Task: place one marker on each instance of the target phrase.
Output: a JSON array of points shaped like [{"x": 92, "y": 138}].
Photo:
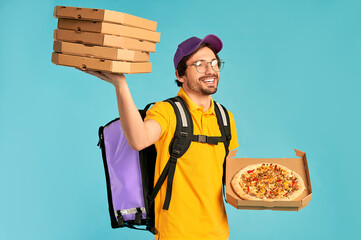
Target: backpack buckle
[
  {"x": 175, "y": 153},
  {"x": 202, "y": 139},
  {"x": 120, "y": 219},
  {"x": 138, "y": 217},
  {"x": 180, "y": 134}
]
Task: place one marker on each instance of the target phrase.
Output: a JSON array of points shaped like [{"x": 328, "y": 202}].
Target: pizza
[{"x": 267, "y": 182}]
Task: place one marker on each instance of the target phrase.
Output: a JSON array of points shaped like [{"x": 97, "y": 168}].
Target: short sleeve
[
  {"x": 160, "y": 112},
  {"x": 234, "y": 140}
]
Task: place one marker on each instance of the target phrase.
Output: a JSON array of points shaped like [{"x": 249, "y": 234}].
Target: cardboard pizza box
[
  {"x": 299, "y": 165},
  {"x": 108, "y": 28},
  {"x": 101, "y": 39},
  {"x": 101, "y": 64},
  {"x": 100, "y": 52},
  {"x": 105, "y": 16}
]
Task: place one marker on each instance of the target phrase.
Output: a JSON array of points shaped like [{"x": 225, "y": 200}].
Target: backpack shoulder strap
[
  {"x": 180, "y": 142},
  {"x": 178, "y": 146},
  {"x": 225, "y": 128},
  {"x": 224, "y": 123},
  {"x": 184, "y": 120}
]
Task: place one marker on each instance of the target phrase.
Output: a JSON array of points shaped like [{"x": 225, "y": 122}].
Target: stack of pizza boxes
[{"x": 103, "y": 40}]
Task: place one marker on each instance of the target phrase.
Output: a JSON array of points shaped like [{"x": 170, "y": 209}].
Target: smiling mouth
[{"x": 209, "y": 80}]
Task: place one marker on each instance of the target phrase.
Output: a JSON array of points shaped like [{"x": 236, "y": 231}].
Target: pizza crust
[{"x": 242, "y": 194}]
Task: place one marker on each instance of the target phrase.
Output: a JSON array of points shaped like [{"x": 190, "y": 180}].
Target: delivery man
[{"x": 197, "y": 210}]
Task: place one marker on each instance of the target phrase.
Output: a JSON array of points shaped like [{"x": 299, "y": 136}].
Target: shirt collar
[{"x": 192, "y": 106}]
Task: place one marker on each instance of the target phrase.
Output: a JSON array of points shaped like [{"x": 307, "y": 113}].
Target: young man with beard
[{"x": 196, "y": 210}]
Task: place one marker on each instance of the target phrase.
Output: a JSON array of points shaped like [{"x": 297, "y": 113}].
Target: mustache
[{"x": 215, "y": 76}]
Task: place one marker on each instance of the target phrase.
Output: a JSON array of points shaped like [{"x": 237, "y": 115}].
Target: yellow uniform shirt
[{"x": 196, "y": 209}]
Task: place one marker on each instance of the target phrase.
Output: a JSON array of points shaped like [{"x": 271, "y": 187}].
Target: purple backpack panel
[{"x": 124, "y": 180}]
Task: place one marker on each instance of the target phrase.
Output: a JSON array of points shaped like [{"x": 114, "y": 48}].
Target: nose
[{"x": 209, "y": 68}]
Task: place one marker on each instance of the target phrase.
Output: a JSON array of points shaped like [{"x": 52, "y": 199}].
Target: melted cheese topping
[{"x": 269, "y": 182}]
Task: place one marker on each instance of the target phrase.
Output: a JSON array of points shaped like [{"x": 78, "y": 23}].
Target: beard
[
  {"x": 200, "y": 87},
  {"x": 209, "y": 91}
]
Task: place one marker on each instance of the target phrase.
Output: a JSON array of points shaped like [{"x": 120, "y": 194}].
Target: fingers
[
  {"x": 114, "y": 76},
  {"x": 96, "y": 74}
]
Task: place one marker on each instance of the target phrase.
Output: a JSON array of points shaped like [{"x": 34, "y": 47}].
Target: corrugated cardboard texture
[
  {"x": 100, "y": 52},
  {"x": 100, "y": 39},
  {"x": 100, "y": 65},
  {"x": 299, "y": 165},
  {"x": 104, "y": 15},
  {"x": 108, "y": 28}
]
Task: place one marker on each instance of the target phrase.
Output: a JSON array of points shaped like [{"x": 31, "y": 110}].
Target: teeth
[{"x": 209, "y": 80}]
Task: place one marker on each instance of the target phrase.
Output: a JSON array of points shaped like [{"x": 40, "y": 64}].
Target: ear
[{"x": 178, "y": 77}]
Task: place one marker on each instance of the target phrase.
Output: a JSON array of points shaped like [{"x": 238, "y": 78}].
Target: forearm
[
  {"x": 140, "y": 134},
  {"x": 132, "y": 123}
]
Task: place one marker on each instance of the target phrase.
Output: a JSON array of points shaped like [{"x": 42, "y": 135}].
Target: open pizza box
[
  {"x": 88, "y": 63},
  {"x": 299, "y": 165},
  {"x": 104, "y": 16}
]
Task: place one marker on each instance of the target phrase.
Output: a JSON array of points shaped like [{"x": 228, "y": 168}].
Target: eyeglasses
[{"x": 202, "y": 65}]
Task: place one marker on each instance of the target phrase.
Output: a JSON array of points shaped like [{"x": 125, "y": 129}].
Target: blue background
[{"x": 292, "y": 80}]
